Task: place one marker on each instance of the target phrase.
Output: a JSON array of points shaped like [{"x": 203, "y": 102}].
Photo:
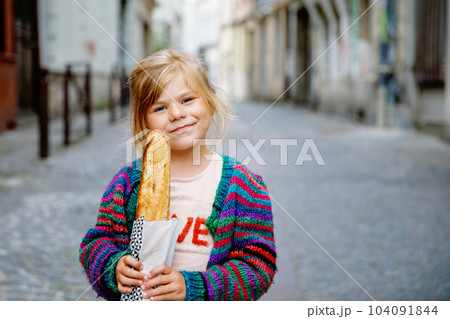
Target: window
[{"x": 430, "y": 42}]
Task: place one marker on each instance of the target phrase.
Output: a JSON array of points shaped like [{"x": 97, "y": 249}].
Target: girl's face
[{"x": 181, "y": 114}]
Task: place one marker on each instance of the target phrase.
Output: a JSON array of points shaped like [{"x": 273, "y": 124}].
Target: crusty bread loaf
[{"x": 154, "y": 187}]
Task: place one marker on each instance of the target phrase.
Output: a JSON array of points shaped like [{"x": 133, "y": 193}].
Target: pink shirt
[{"x": 191, "y": 200}]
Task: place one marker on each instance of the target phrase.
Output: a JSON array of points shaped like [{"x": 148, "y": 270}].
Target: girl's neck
[{"x": 186, "y": 163}]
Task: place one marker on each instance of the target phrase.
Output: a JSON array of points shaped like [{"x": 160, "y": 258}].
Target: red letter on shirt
[
  {"x": 185, "y": 230},
  {"x": 197, "y": 231}
]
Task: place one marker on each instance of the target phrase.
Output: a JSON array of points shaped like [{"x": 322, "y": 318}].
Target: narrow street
[
  {"x": 371, "y": 223},
  {"x": 380, "y": 207}
]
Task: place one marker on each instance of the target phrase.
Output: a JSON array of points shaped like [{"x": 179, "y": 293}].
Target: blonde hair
[{"x": 150, "y": 76}]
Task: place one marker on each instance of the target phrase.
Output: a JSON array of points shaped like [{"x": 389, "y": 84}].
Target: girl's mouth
[{"x": 181, "y": 128}]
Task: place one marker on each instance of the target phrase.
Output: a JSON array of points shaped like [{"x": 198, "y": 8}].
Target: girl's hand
[
  {"x": 172, "y": 285},
  {"x": 127, "y": 275}
]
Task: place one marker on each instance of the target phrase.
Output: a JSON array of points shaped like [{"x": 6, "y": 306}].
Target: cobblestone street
[{"x": 380, "y": 207}]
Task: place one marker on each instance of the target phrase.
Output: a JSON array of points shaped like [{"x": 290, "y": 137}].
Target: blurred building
[
  {"x": 109, "y": 35},
  {"x": 192, "y": 26},
  {"x": 168, "y": 22},
  {"x": 379, "y": 62}
]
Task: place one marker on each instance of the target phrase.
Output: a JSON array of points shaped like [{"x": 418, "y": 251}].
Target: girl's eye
[
  {"x": 159, "y": 108},
  {"x": 187, "y": 100}
]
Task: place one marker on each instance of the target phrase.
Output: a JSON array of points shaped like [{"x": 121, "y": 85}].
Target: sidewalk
[{"x": 48, "y": 205}]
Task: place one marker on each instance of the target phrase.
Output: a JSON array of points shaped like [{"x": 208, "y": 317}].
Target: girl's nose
[{"x": 176, "y": 112}]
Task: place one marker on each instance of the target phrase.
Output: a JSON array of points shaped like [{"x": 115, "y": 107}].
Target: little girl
[{"x": 226, "y": 249}]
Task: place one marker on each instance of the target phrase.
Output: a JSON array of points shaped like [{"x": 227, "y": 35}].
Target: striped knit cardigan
[{"x": 242, "y": 263}]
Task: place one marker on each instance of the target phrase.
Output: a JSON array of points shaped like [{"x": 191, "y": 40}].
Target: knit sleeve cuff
[
  {"x": 110, "y": 271},
  {"x": 195, "y": 285}
]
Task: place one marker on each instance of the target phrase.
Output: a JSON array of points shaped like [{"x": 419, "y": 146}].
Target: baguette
[{"x": 154, "y": 187}]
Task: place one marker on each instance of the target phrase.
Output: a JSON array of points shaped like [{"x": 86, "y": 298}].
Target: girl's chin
[{"x": 178, "y": 147}]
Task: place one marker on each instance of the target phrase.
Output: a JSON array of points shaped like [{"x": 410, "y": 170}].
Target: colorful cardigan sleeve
[
  {"x": 108, "y": 240},
  {"x": 243, "y": 260}
]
